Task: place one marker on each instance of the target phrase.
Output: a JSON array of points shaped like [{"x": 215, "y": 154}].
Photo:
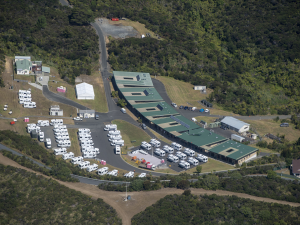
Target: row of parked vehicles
[
  {"x": 179, "y": 156},
  {"x": 115, "y": 137},
  {"x": 189, "y": 108},
  {"x": 86, "y": 142},
  {"x": 25, "y": 99}
]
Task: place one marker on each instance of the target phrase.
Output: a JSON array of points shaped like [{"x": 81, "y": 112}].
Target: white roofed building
[
  {"x": 235, "y": 124},
  {"x": 85, "y": 91}
]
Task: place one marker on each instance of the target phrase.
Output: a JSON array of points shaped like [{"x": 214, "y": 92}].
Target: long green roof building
[{"x": 143, "y": 99}]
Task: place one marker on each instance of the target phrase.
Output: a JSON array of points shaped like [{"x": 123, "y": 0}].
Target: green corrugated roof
[
  {"x": 146, "y": 105},
  {"x": 23, "y": 64},
  {"x": 46, "y": 69},
  {"x": 144, "y": 81},
  {"x": 243, "y": 150}
]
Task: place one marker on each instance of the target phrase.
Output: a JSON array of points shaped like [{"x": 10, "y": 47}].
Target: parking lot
[{"x": 48, "y": 131}]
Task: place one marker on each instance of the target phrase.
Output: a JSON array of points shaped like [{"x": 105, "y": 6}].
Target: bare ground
[{"x": 139, "y": 200}]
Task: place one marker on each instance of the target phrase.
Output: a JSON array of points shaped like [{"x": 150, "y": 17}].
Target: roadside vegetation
[
  {"x": 42, "y": 200},
  {"x": 213, "y": 209}
]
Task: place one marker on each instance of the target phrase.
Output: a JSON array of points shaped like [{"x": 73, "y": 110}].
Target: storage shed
[
  {"x": 56, "y": 111},
  {"x": 87, "y": 113},
  {"x": 85, "y": 91},
  {"x": 235, "y": 124},
  {"x": 200, "y": 88}
]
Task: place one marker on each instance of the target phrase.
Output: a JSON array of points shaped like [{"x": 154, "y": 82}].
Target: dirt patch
[{"x": 139, "y": 200}]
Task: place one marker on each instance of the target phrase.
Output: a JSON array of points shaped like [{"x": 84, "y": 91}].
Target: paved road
[{"x": 57, "y": 98}]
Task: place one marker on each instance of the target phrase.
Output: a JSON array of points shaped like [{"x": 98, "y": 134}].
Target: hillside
[
  {"x": 247, "y": 51},
  {"x": 38, "y": 200},
  {"x": 213, "y": 209}
]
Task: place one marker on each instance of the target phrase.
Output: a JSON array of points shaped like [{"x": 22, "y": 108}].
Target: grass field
[
  {"x": 183, "y": 93},
  {"x": 75, "y": 148},
  {"x": 270, "y": 126},
  {"x": 130, "y": 133},
  {"x": 212, "y": 165}
]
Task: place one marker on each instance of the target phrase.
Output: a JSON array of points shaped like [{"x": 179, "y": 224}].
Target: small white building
[
  {"x": 85, "y": 91},
  {"x": 200, "y": 88},
  {"x": 235, "y": 124},
  {"x": 56, "y": 111},
  {"x": 86, "y": 113}
]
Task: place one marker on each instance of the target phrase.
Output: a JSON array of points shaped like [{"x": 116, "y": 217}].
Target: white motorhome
[
  {"x": 117, "y": 142},
  {"x": 92, "y": 167},
  {"x": 84, "y": 131},
  {"x": 113, "y": 132},
  {"x": 64, "y": 144},
  {"x": 85, "y": 138},
  {"x": 60, "y": 151},
  {"x": 176, "y": 146},
  {"x": 184, "y": 164},
  {"x": 193, "y": 161},
  {"x": 83, "y": 164},
  {"x": 123, "y": 110},
  {"x": 24, "y": 92},
  {"x": 154, "y": 143},
  {"x": 129, "y": 174},
  {"x": 146, "y": 146},
  {"x": 62, "y": 138},
  {"x": 102, "y": 171},
  {"x": 113, "y": 173},
  {"x": 56, "y": 122},
  {"x": 110, "y": 127},
  {"x": 41, "y": 136},
  {"x": 173, "y": 158},
  {"x": 59, "y": 127},
  {"x": 114, "y": 138},
  {"x": 159, "y": 152},
  {"x": 43, "y": 123},
  {"x": 68, "y": 155},
  {"x": 117, "y": 150},
  {"x": 77, "y": 160},
  {"x": 24, "y": 100},
  {"x": 168, "y": 149},
  {"x": 181, "y": 155},
  {"x": 189, "y": 152},
  {"x": 28, "y": 95},
  {"x": 87, "y": 143},
  {"x": 202, "y": 158},
  {"x": 89, "y": 155},
  {"x": 30, "y": 105},
  {"x": 48, "y": 143}
]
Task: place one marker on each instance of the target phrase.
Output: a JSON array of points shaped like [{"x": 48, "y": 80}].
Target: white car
[
  {"x": 77, "y": 118},
  {"x": 142, "y": 175},
  {"x": 206, "y": 110},
  {"x": 174, "y": 104}
]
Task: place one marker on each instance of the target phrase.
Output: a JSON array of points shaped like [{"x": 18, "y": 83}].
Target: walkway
[{"x": 36, "y": 85}]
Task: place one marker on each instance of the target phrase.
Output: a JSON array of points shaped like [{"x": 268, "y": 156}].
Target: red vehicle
[{"x": 114, "y": 19}]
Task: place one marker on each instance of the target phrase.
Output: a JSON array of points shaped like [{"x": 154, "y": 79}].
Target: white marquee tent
[{"x": 85, "y": 91}]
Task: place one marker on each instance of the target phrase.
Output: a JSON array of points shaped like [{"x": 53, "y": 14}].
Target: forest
[
  {"x": 213, "y": 209},
  {"x": 246, "y": 51},
  {"x": 49, "y": 32},
  {"x": 26, "y": 198}
]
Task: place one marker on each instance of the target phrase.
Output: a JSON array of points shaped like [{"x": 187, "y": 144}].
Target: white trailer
[
  {"x": 83, "y": 164},
  {"x": 114, "y": 138},
  {"x": 102, "y": 171},
  {"x": 59, "y": 126},
  {"x": 64, "y": 144},
  {"x": 159, "y": 152},
  {"x": 84, "y": 131},
  {"x": 68, "y": 155},
  {"x": 77, "y": 160},
  {"x": 181, "y": 155},
  {"x": 146, "y": 146},
  {"x": 117, "y": 150},
  {"x": 85, "y": 138},
  {"x": 168, "y": 149},
  {"x": 113, "y": 173},
  {"x": 117, "y": 142},
  {"x": 202, "y": 158},
  {"x": 89, "y": 155},
  {"x": 87, "y": 143},
  {"x": 184, "y": 164},
  {"x": 113, "y": 132},
  {"x": 60, "y": 151},
  {"x": 173, "y": 158},
  {"x": 25, "y": 100},
  {"x": 154, "y": 143},
  {"x": 92, "y": 167},
  {"x": 41, "y": 136},
  {"x": 62, "y": 138},
  {"x": 48, "y": 143},
  {"x": 237, "y": 138},
  {"x": 176, "y": 146},
  {"x": 110, "y": 127},
  {"x": 56, "y": 122},
  {"x": 43, "y": 123},
  {"x": 29, "y": 105},
  {"x": 24, "y": 92},
  {"x": 193, "y": 161},
  {"x": 189, "y": 152}
]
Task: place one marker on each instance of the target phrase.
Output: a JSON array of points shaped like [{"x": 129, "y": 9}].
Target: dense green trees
[
  {"x": 81, "y": 15},
  {"x": 30, "y": 199},
  {"x": 213, "y": 209}
]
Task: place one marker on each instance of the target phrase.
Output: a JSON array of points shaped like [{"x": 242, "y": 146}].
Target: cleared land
[
  {"x": 132, "y": 135},
  {"x": 183, "y": 93},
  {"x": 212, "y": 165},
  {"x": 270, "y": 126},
  {"x": 75, "y": 148},
  {"x": 139, "y": 200}
]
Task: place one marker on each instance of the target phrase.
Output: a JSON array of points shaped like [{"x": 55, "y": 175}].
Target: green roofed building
[
  {"x": 23, "y": 67},
  {"x": 143, "y": 100}
]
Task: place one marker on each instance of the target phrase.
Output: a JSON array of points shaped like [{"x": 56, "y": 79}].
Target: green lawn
[
  {"x": 75, "y": 148},
  {"x": 212, "y": 165},
  {"x": 131, "y": 133}
]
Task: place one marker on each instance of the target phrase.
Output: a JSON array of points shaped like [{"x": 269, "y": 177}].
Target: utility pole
[{"x": 126, "y": 193}]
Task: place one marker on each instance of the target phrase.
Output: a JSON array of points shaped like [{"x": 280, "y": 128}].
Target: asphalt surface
[{"x": 58, "y": 98}]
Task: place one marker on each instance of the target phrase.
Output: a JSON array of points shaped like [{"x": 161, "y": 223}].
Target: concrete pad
[{"x": 149, "y": 158}]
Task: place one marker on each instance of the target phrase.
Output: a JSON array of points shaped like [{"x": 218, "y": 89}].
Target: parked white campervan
[
  {"x": 117, "y": 142},
  {"x": 110, "y": 127},
  {"x": 113, "y": 173},
  {"x": 193, "y": 161},
  {"x": 48, "y": 143},
  {"x": 92, "y": 167},
  {"x": 159, "y": 152},
  {"x": 89, "y": 155},
  {"x": 113, "y": 132},
  {"x": 202, "y": 158},
  {"x": 173, "y": 158},
  {"x": 68, "y": 155},
  {"x": 29, "y": 105},
  {"x": 184, "y": 164},
  {"x": 130, "y": 174},
  {"x": 84, "y": 164},
  {"x": 113, "y": 138},
  {"x": 154, "y": 143},
  {"x": 102, "y": 171},
  {"x": 146, "y": 146},
  {"x": 87, "y": 142},
  {"x": 60, "y": 151},
  {"x": 168, "y": 149},
  {"x": 56, "y": 122},
  {"x": 43, "y": 123},
  {"x": 176, "y": 146},
  {"x": 181, "y": 155},
  {"x": 41, "y": 136},
  {"x": 77, "y": 160},
  {"x": 189, "y": 152},
  {"x": 117, "y": 150},
  {"x": 23, "y": 100},
  {"x": 64, "y": 144},
  {"x": 123, "y": 110}
]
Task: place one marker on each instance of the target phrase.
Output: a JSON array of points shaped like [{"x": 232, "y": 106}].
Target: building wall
[
  {"x": 22, "y": 72},
  {"x": 240, "y": 161},
  {"x": 57, "y": 113}
]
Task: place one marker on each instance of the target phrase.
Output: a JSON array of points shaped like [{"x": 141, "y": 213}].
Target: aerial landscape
[{"x": 149, "y": 112}]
